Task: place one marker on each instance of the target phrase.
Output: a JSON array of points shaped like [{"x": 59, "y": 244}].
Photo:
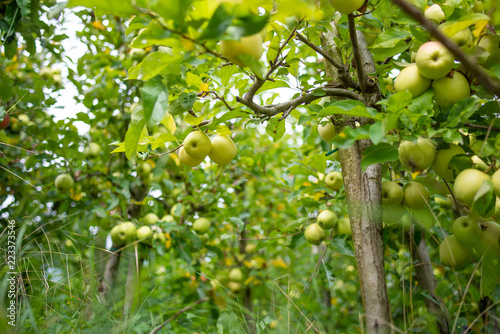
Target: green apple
[
  {"x": 344, "y": 226},
  {"x": 144, "y": 169},
  {"x": 467, "y": 183},
  {"x": 447, "y": 203},
  {"x": 496, "y": 182},
  {"x": 168, "y": 219},
  {"x": 347, "y": 7},
  {"x": 478, "y": 7},
  {"x": 45, "y": 73},
  {"x": 467, "y": 230},
  {"x": 178, "y": 210},
  {"x": 435, "y": 13},
  {"x": 491, "y": 44},
  {"x": 223, "y": 150},
  {"x": 336, "y": 154},
  {"x": 24, "y": 119},
  {"x": 489, "y": 243},
  {"x": 151, "y": 219},
  {"x": 92, "y": 150},
  {"x": 433, "y": 60},
  {"x": 334, "y": 180},
  {"x": 327, "y": 219},
  {"x": 449, "y": 90},
  {"x": 417, "y": 156},
  {"x": 327, "y": 131},
  {"x": 236, "y": 275},
  {"x": 410, "y": 79},
  {"x": 197, "y": 145},
  {"x": 123, "y": 233},
  {"x": 441, "y": 163},
  {"x": 64, "y": 182},
  {"x": 250, "y": 248},
  {"x": 248, "y": 45},
  {"x": 454, "y": 254},
  {"x": 137, "y": 54},
  {"x": 188, "y": 160},
  {"x": 234, "y": 287},
  {"x": 391, "y": 214},
  {"x": 144, "y": 233},
  {"x": 5, "y": 122},
  {"x": 392, "y": 193},
  {"x": 159, "y": 237},
  {"x": 201, "y": 225},
  {"x": 314, "y": 234},
  {"x": 416, "y": 195},
  {"x": 463, "y": 38}
]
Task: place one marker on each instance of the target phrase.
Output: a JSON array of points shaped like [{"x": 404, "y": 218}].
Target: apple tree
[{"x": 252, "y": 165}]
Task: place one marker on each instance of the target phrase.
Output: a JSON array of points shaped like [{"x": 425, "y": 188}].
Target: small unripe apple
[
  {"x": 347, "y": 7},
  {"x": 391, "y": 214},
  {"x": 441, "y": 163},
  {"x": 151, "y": 218},
  {"x": 234, "y": 287},
  {"x": 417, "y": 156},
  {"x": 449, "y": 90},
  {"x": 435, "y": 13},
  {"x": 467, "y": 230},
  {"x": 496, "y": 182},
  {"x": 144, "y": 234},
  {"x": 201, "y": 225},
  {"x": 334, "y": 180},
  {"x": 64, "y": 182},
  {"x": 392, "y": 193},
  {"x": 188, "y": 160},
  {"x": 236, "y": 275},
  {"x": 197, "y": 145},
  {"x": 178, "y": 210},
  {"x": 416, "y": 195},
  {"x": 433, "y": 60},
  {"x": 123, "y": 233},
  {"x": 491, "y": 44},
  {"x": 454, "y": 254},
  {"x": 137, "y": 54},
  {"x": 489, "y": 243},
  {"x": 314, "y": 234},
  {"x": 327, "y": 131},
  {"x": 344, "y": 226},
  {"x": 250, "y": 248},
  {"x": 144, "y": 169},
  {"x": 411, "y": 79},
  {"x": 327, "y": 219},
  {"x": 463, "y": 38},
  {"x": 467, "y": 183},
  {"x": 92, "y": 150},
  {"x": 168, "y": 219},
  {"x": 223, "y": 150},
  {"x": 248, "y": 45}
]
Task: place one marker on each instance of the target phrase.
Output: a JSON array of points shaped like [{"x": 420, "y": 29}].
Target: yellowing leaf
[
  {"x": 480, "y": 26},
  {"x": 223, "y": 130},
  {"x": 415, "y": 174},
  {"x": 279, "y": 263},
  {"x": 319, "y": 195},
  {"x": 119, "y": 149},
  {"x": 169, "y": 122},
  {"x": 174, "y": 157},
  {"x": 204, "y": 87},
  {"x": 98, "y": 25},
  {"x": 191, "y": 120},
  {"x": 247, "y": 263},
  {"x": 228, "y": 261}
]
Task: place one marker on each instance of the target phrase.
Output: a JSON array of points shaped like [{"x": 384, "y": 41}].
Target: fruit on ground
[
  {"x": 433, "y": 60},
  {"x": 441, "y": 163},
  {"x": 467, "y": 230},
  {"x": 334, "y": 180},
  {"x": 92, "y": 150},
  {"x": 187, "y": 160},
  {"x": 450, "y": 90},
  {"x": 392, "y": 193},
  {"x": 344, "y": 226},
  {"x": 5, "y": 122},
  {"x": 314, "y": 234},
  {"x": 491, "y": 44},
  {"x": 197, "y": 145},
  {"x": 489, "y": 243},
  {"x": 144, "y": 233},
  {"x": 64, "y": 182},
  {"x": 236, "y": 275},
  {"x": 347, "y": 7},
  {"x": 151, "y": 218},
  {"x": 416, "y": 195},
  {"x": 223, "y": 150},
  {"x": 248, "y": 45},
  {"x": 454, "y": 254},
  {"x": 467, "y": 183},
  {"x": 327, "y": 131},
  {"x": 144, "y": 169},
  {"x": 411, "y": 79},
  {"x": 435, "y": 13},
  {"x": 123, "y": 233},
  {"x": 391, "y": 214},
  {"x": 327, "y": 219},
  {"x": 417, "y": 156},
  {"x": 496, "y": 182},
  {"x": 201, "y": 225}
]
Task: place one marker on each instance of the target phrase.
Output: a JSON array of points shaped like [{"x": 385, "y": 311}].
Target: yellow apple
[
  {"x": 197, "y": 145},
  {"x": 223, "y": 150},
  {"x": 327, "y": 131},
  {"x": 248, "y": 45}
]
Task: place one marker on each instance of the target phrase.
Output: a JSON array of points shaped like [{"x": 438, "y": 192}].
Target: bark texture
[{"x": 363, "y": 193}]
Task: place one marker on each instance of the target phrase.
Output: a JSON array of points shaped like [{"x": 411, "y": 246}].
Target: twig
[
  {"x": 469, "y": 63},
  {"x": 19, "y": 148},
  {"x": 160, "y": 154},
  {"x": 274, "y": 238},
  {"x": 360, "y": 69},
  {"x": 484, "y": 127},
  {"x": 316, "y": 267},
  {"x": 20, "y": 178},
  {"x": 179, "y": 313},
  {"x": 204, "y": 93},
  {"x": 262, "y": 180}
]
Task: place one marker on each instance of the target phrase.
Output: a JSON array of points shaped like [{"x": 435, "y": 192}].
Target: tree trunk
[
  {"x": 109, "y": 275},
  {"x": 428, "y": 283},
  {"x": 132, "y": 284},
  {"x": 364, "y": 198}
]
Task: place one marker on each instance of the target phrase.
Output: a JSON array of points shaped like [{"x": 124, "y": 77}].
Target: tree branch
[
  {"x": 468, "y": 62},
  {"x": 357, "y": 56}
]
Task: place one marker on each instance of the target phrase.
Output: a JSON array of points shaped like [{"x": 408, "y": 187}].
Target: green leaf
[
  {"x": 24, "y": 5},
  {"x": 490, "y": 271},
  {"x": 346, "y": 107},
  {"x": 220, "y": 20},
  {"x": 484, "y": 200},
  {"x": 187, "y": 100},
  {"x": 154, "y": 64},
  {"x": 255, "y": 66},
  {"x": 154, "y": 100},
  {"x": 135, "y": 129},
  {"x": 399, "y": 101},
  {"x": 113, "y": 7},
  {"x": 275, "y": 128},
  {"x": 342, "y": 246},
  {"x": 379, "y": 153},
  {"x": 461, "y": 111},
  {"x": 390, "y": 38}
]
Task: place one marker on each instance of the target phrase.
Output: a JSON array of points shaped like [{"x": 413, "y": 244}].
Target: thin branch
[
  {"x": 484, "y": 127},
  {"x": 159, "y": 155},
  {"x": 263, "y": 181},
  {"x": 355, "y": 50},
  {"x": 468, "y": 62},
  {"x": 217, "y": 96},
  {"x": 343, "y": 71},
  {"x": 274, "y": 238},
  {"x": 317, "y": 265},
  {"x": 19, "y": 148},
  {"x": 179, "y": 313}
]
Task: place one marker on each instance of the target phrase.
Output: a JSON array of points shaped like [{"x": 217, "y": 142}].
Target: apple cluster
[
  {"x": 315, "y": 233},
  {"x": 235, "y": 279},
  {"x": 126, "y": 233},
  {"x": 197, "y": 145}
]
